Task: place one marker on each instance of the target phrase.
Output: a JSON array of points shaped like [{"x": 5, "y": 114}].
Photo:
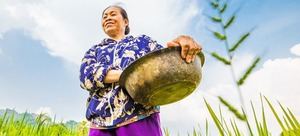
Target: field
[{"x": 42, "y": 125}]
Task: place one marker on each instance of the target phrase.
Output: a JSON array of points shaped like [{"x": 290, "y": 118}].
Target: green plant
[
  {"x": 289, "y": 124},
  {"x": 41, "y": 126},
  {"x": 220, "y": 7}
]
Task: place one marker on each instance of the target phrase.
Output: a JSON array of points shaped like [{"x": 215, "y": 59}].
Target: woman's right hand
[{"x": 112, "y": 76}]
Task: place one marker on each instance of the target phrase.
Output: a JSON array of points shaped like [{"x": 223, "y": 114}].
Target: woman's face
[{"x": 113, "y": 23}]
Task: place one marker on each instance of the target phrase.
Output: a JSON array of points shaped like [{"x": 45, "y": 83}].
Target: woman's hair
[{"x": 124, "y": 15}]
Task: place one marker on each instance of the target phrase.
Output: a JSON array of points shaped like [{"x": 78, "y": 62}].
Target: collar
[{"x": 107, "y": 41}]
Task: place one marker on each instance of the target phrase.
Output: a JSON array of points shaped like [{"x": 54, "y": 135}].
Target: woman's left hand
[{"x": 189, "y": 47}]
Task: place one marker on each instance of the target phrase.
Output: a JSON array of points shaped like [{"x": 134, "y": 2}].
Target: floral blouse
[{"x": 110, "y": 105}]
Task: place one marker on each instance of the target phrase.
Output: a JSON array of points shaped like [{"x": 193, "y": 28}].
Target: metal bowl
[{"x": 162, "y": 77}]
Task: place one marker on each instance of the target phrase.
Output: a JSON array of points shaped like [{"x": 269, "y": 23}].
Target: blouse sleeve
[
  {"x": 152, "y": 44},
  {"x": 92, "y": 73}
]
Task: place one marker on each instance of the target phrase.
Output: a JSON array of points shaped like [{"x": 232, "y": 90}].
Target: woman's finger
[
  {"x": 184, "y": 50},
  {"x": 190, "y": 55},
  {"x": 195, "y": 54}
]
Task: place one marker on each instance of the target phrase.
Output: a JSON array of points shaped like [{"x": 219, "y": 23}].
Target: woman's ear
[{"x": 126, "y": 22}]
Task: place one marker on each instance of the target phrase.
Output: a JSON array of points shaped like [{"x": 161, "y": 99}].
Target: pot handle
[{"x": 202, "y": 58}]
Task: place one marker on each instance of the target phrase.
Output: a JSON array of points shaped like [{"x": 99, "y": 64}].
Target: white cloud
[
  {"x": 296, "y": 49},
  {"x": 45, "y": 110},
  {"x": 67, "y": 29},
  {"x": 277, "y": 79}
]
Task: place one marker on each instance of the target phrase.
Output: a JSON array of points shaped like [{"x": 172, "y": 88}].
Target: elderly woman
[{"x": 111, "y": 111}]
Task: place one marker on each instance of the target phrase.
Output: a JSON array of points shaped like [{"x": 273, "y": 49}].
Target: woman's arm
[
  {"x": 112, "y": 76},
  {"x": 151, "y": 45},
  {"x": 92, "y": 73}
]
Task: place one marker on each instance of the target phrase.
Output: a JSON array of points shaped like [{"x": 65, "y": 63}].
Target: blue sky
[
  {"x": 42, "y": 42},
  {"x": 31, "y": 77}
]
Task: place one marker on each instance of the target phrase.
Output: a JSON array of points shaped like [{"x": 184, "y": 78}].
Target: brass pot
[{"x": 162, "y": 77}]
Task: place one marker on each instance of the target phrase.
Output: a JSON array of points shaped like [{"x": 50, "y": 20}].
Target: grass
[
  {"x": 288, "y": 123},
  {"x": 43, "y": 126}
]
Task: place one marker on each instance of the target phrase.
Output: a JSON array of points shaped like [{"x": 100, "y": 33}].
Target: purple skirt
[{"x": 149, "y": 126}]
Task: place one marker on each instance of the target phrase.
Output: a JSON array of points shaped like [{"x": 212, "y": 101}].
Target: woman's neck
[{"x": 118, "y": 37}]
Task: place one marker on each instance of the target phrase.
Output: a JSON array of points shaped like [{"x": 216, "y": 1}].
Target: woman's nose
[{"x": 107, "y": 19}]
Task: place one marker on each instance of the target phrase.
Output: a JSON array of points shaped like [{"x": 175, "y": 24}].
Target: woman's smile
[{"x": 108, "y": 23}]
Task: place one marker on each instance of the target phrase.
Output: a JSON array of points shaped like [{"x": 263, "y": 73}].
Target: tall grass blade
[
  {"x": 290, "y": 121},
  {"x": 248, "y": 71},
  {"x": 265, "y": 128},
  {"x": 294, "y": 118},
  {"x": 166, "y": 132},
  {"x": 286, "y": 123},
  {"x": 229, "y": 22},
  {"x": 216, "y": 19},
  {"x": 256, "y": 121},
  {"x": 232, "y": 109},
  {"x": 214, "y": 4},
  {"x": 275, "y": 114},
  {"x": 239, "y": 42},
  {"x": 220, "y": 58},
  {"x": 233, "y": 127},
  {"x": 222, "y": 10},
  {"x": 3, "y": 119},
  {"x": 247, "y": 122},
  {"x": 215, "y": 119},
  {"x": 219, "y": 36}
]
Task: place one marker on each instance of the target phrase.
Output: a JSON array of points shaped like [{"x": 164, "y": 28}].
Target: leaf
[
  {"x": 215, "y": 118},
  {"x": 232, "y": 109},
  {"x": 214, "y": 4},
  {"x": 223, "y": 8},
  {"x": 227, "y": 130},
  {"x": 275, "y": 114},
  {"x": 286, "y": 123},
  {"x": 255, "y": 118},
  {"x": 216, "y": 19},
  {"x": 230, "y": 21},
  {"x": 219, "y": 36},
  {"x": 248, "y": 71},
  {"x": 265, "y": 128},
  {"x": 235, "y": 128},
  {"x": 238, "y": 43},
  {"x": 294, "y": 118},
  {"x": 223, "y": 123},
  {"x": 194, "y": 132},
  {"x": 248, "y": 124},
  {"x": 290, "y": 120},
  {"x": 220, "y": 58},
  {"x": 3, "y": 117}
]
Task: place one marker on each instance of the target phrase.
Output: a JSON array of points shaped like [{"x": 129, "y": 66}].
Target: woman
[{"x": 111, "y": 111}]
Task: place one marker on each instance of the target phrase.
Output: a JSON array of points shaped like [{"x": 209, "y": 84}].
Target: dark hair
[{"x": 124, "y": 15}]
